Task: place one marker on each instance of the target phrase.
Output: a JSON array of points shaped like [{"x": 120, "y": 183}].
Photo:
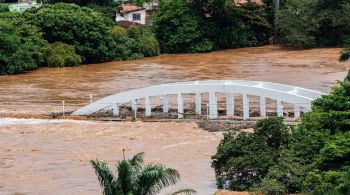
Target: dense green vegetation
[
  {"x": 20, "y": 44},
  {"x": 205, "y": 25},
  {"x": 60, "y": 35},
  {"x": 314, "y": 157},
  {"x": 135, "y": 179},
  {"x": 319, "y": 23}
]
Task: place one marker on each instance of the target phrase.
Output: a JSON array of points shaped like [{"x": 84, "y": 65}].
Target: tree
[
  {"x": 321, "y": 23},
  {"x": 243, "y": 159},
  {"x": 135, "y": 179},
  {"x": 20, "y": 44},
  {"x": 81, "y": 27},
  {"x": 179, "y": 28}
]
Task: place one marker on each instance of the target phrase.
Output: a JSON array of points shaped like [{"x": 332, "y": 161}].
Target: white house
[
  {"x": 22, "y": 6},
  {"x": 132, "y": 13}
]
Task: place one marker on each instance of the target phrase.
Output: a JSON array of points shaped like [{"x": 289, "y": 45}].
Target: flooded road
[
  {"x": 39, "y": 90},
  {"x": 52, "y": 157}
]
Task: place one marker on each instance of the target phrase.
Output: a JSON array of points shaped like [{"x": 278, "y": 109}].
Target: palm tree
[{"x": 135, "y": 179}]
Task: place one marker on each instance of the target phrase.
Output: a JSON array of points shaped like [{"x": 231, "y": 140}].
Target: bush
[
  {"x": 81, "y": 27},
  {"x": 61, "y": 55},
  {"x": 150, "y": 46}
]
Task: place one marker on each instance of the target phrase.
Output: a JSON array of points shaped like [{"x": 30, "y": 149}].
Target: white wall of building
[{"x": 129, "y": 16}]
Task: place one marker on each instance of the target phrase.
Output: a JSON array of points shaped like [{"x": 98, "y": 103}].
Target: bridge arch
[{"x": 299, "y": 97}]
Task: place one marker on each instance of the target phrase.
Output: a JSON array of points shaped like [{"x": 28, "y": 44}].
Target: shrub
[
  {"x": 61, "y": 55},
  {"x": 150, "y": 46}
]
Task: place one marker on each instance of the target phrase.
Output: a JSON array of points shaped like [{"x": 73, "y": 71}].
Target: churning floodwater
[
  {"x": 316, "y": 69},
  {"x": 52, "y": 156}
]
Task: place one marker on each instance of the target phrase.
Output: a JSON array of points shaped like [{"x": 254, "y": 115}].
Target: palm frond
[
  {"x": 186, "y": 191},
  {"x": 137, "y": 161},
  {"x": 105, "y": 176},
  {"x": 126, "y": 176},
  {"x": 153, "y": 178},
  {"x": 345, "y": 55}
]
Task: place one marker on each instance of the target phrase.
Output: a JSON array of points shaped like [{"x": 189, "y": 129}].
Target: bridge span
[{"x": 297, "y": 96}]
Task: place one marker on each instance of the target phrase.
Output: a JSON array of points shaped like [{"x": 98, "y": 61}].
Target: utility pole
[{"x": 277, "y": 7}]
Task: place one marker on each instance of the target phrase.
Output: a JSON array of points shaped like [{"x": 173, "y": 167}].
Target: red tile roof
[{"x": 130, "y": 8}]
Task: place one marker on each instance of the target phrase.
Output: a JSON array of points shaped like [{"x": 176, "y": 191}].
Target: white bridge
[{"x": 299, "y": 97}]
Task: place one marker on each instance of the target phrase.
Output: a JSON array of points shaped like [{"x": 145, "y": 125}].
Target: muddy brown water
[
  {"x": 316, "y": 69},
  {"x": 53, "y": 158}
]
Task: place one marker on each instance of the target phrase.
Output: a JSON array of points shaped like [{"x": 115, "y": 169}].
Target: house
[
  {"x": 131, "y": 13},
  {"x": 22, "y": 6}
]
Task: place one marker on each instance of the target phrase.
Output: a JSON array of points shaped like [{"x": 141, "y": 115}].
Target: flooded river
[
  {"x": 52, "y": 157},
  {"x": 45, "y": 88}
]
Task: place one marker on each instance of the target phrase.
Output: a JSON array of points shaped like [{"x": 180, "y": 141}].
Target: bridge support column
[
  {"x": 180, "y": 106},
  {"x": 198, "y": 103},
  {"x": 245, "y": 107},
  {"x": 230, "y": 104},
  {"x": 296, "y": 111},
  {"x": 262, "y": 106},
  {"x": 134, "y": 105},
  {"x": 279, "y": 108},
  {"x": 148, "y": 108},
  {"x": 213, "y": 106},
  {"x": 165, "y": 103},
  {"x": 115, "y": 109}
]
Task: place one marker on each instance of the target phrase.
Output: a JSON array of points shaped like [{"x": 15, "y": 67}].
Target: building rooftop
[{"x": 130, "y": 8}]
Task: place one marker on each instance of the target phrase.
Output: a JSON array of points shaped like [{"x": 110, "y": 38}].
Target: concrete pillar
[
  {"x": 213, "y": 105},
  {"x": 245, "y": 107},
  {"x": 148, "y": 107},
  {"x": 165, "y": 103},
  {"x": 296, "y": 111},
  {"x": 279, "y": 108},
  {"x": 262, "y": 106},
  {"x": 115, "y": 109},
  {"x": 180, "y": 106},
  {"x": 198, "y": 103},
  {"x": 230, "y": 104},
  {"x": 134, "y": 105}
]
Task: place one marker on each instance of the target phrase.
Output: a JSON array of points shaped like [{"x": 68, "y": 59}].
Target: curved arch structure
[{"x": 299, "y": 97}]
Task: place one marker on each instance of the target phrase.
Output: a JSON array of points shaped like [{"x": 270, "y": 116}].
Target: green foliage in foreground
[
  {"x": 313, "y": 158},
  {"x": 135, "y": 179},
  {"x": 242, "y": 159}
]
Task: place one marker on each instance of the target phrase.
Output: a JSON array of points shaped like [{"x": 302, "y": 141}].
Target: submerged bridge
[{"x": 297, "y": 96}]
